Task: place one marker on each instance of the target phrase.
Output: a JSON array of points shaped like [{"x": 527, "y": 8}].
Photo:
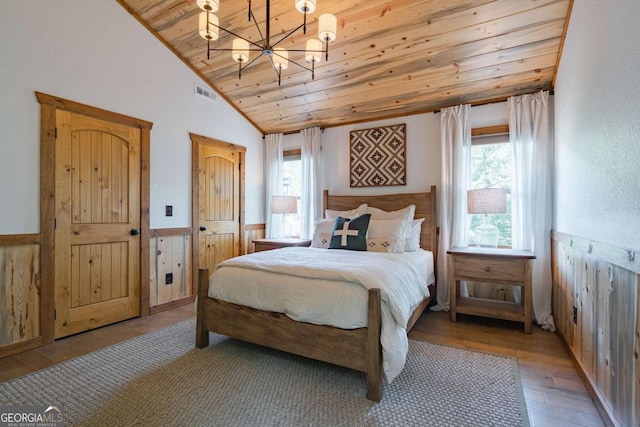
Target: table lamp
[
  {"x": 284, "y": 205},
  {"x": 487, "y": 201}
]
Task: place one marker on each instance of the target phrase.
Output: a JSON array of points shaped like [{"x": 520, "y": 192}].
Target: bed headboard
[{"x": 425, "y": 208}]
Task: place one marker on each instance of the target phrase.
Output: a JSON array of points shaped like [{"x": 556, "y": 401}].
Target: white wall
[
  {"x": 423, "y": 149},
  {"x": 95, "y": 53},
  {"x": 423, "y": 155},
  {"x": 597, "y": 133}
]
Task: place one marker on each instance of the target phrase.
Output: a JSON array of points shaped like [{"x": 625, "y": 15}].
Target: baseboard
[
  {"x": 172, "y": 304},
  {"x": 19, "y": 347}
]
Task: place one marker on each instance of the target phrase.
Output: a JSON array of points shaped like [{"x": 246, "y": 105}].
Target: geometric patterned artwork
[{"x": 378, "y": 156}]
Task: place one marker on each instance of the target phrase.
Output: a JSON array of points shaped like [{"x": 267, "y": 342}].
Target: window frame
[
  {"x": 491, "y": 135},
  {"x": 293, "y": 155}
]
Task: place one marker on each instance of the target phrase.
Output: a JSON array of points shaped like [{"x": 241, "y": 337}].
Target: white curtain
[
  {"x": 273, "y": 182},
  {"x": 532, "y": 157},
  {"x": 311, "y": 197},
  {"x": 455, "y": 131}
]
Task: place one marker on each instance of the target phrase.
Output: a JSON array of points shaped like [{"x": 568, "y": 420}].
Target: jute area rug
[{"x": 160, "y": 379}]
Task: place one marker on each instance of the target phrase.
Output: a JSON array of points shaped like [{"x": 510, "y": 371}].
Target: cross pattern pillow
[{"x": 350, "y": 234}]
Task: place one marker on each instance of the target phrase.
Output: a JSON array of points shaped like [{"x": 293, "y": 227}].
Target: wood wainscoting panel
[
  {"x": 170, "y": 251},
  {"x": 251, "y": 233},
  {"x": 19, "y": 293},
  {"x": 170, "y": 255},
  {"x": 596, "y": 304}
]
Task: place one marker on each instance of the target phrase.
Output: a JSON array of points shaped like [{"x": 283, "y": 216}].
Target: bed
[{"x": 360, "y": 348}]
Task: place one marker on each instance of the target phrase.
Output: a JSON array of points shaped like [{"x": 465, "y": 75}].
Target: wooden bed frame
[{"x": 357, "y": 349}]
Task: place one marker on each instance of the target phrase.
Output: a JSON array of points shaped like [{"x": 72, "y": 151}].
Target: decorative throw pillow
[
  {"x": 412, "y": 241},
  {"x": 322, "y": 234},
  {"x": 350, "y": 234},
  {"x": 405, "y": 214},
  {"x": 386, "y": 236},
  {"x": 360, "y": 210}
]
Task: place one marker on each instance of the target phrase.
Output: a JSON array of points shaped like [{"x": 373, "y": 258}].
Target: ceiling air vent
[{"x": 204, "y": 92}]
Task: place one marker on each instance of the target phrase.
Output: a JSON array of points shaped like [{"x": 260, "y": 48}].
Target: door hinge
[
  {"x": 55, "y": 223},
  {"x": 55, "y": 133},
  {"x": 55, "y": 314},
  {"x": 239, "y": 166}
]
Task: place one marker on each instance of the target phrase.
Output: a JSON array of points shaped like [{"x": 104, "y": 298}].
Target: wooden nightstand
[
  {"x": 503, "y": 266},
  {"x": 268, "y": 244}
]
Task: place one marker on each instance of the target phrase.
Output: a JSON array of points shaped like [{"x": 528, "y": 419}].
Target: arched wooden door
[
  {"x": 217, "y": 201},
  {"x": 97, "y": 215}
]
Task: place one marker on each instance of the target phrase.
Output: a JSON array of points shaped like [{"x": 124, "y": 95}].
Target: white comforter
[{"x": 334, "y": 291}]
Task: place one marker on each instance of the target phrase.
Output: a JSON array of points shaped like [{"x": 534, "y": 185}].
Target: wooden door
[
  {"x": 97, "y": 215},
  {"x": 218, "y": 221}
]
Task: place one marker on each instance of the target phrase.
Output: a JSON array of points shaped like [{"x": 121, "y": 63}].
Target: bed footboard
[{"x": 357, "y": 349}]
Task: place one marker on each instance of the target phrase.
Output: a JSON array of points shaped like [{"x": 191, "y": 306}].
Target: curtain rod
[
  {"x": 291, "y": 132},
  {"x": 489, "y": 101}
]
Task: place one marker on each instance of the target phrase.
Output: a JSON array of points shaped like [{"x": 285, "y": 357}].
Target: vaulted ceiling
[{"x": 390, "y": 58}]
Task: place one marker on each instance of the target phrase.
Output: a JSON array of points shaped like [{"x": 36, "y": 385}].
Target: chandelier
[{"x": 209, "y": 29}]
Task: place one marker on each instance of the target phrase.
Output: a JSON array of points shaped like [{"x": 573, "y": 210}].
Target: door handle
[
  {"x": 135, "y": 231},
  {"x": 203, "y": 228}
]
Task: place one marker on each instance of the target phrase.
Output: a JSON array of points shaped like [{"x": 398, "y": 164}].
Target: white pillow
[
  {"x": 412, "y": 240},
  {"x": 360, "y": 210},
  {"x": 322, "y": 234},
  {"x": 405, "y": 214},
  {"x": 386, "y": 236}
]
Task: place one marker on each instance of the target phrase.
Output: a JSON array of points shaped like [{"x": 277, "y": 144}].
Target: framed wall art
[{"x": 378, "y": 156}]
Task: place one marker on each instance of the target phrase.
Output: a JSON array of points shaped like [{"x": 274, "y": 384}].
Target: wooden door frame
[
  {"x": 196, "y": 142},
  {"x": 48, "y": 106}
]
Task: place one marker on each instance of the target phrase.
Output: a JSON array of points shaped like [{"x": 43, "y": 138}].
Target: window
[
  {"x": 491, "y": 168},
  {"x": 292, "y": 186}
]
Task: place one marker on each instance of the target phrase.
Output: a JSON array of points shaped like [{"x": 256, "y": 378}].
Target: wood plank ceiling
[{"x": 391, "y": 58}]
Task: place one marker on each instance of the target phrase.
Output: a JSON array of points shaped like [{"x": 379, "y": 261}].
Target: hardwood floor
[
  {"x": 553, "y": 391},
  {"x": 67, "y": 348}
]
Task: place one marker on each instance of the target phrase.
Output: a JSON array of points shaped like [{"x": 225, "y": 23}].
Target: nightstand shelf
[
  {"x": 488, "y": 308},
  {"x": 269, "y": 244},
  {"x": 501, "y": 266}
]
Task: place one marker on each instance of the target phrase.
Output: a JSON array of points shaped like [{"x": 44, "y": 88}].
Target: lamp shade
[
  {"x": 240, "y": 52},
  {"x": 487, "y": 201},
  {"x": 284, "y": 204},
  {"x": 280, "y": 58},
  {"x": 208, "y": 27},
  {"x": 327, "y": 27},
  {"x": 306, "y": 6},
  {"x": 313, "y": 51}
]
